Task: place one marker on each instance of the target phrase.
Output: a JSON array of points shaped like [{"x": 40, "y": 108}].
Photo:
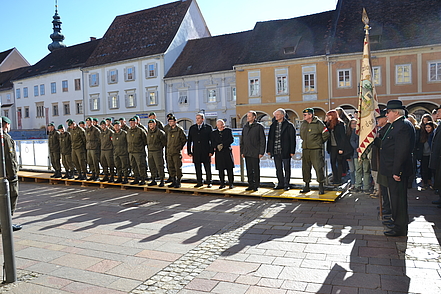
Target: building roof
[
  {"x": 6, "y": 77},
  {"x": 5, "y": 54},
  {"x": 212, "y": 54},
  {"x": 62, "y": 59},
  {"x": 142, "y": 33},
  {"x": 406, "y": 23},
  {"x": 288, "y": 38}
]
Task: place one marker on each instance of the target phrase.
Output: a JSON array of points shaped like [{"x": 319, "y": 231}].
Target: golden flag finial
[{"x": 365, "y": 20}]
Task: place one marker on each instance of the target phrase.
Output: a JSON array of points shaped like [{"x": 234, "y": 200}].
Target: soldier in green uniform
[
  {"x": 93, "y": 148},
  {"x": 82, "y": 124},
  {"x": 156, "y": 142},
  {"x": 314, "y": 134},
  {"x": 136, "y": 142},
  {"x": 144, "y": 128},
  {"x": 54, "y": 149},
  {"x": 176, "y": 140},
  {"x": 159, "y": 124},
  {"x": 11, "y": 165},
  {"x": 109, "y": 123},
  {"x": 107, "y": 153},
  {"x": 166, "y": 129},
  {"x": 120, "y": 154},
  {"x": 78, "y": 137},
  {"x": 66, "y": 152},
  {"x": 123, "y": 124}
]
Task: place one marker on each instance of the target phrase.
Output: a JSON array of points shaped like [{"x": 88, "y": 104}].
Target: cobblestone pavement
[{"x": 89, "y": 240}]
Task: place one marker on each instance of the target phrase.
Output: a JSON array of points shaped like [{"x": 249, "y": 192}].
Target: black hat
[
  {"x": 109, "y": 118},
  {"x": 60, "y": 127},
  {"x": 170, "y": 114},
  {"x": 116, "y": 122},
  {"x": 172, "y": 118},
  {"x": 89, "y": 118},
  {"x": 152, "y": 113},
  {"x": 152, "y": 121},
  {"x": 70, "y": 121},
  {"x": 382, "y": 113},
  {"x": 103, "y": 122},
  {"x": 308, "y": 110},
  {"x": 122, "y": 118},
  {"x": 394, "y": 104},
  {"x": 132, "y": 119},
  {"x": 95, "y": 119},
  {"x": 81, "y": 122},
  {"x": 136, "y": 117}
]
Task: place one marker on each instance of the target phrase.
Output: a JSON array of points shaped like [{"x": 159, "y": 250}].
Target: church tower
[{"x": 57, "y": 37}]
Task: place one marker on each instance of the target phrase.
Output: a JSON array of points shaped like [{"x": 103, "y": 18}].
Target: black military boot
[
  {"x": 58, "y": 174},
  {"x": 305, "y": 189},
  {"x": 142, "y": 182},
  {"x": 111, "y": 179},
  {"x": 152, "y": 183},
  {"x": 54, "y": 174},
  {"x": 173, "y": 182},
  {"x": 119, "y": 180},
  {"x": 321, "y": 189},
  {"x": 170, "y": 180},
  {"x": 125, "y": 181},
  {"x": 161, "y": 184},
  {"x": 178, "y": 183},
  {"x": 105, "y": 179},
  {"x": 70, "y": 174},
  {"x": 83, "y": 176},
  {"x": 135, "y": 181},
  {"x": 92, "y": 177},
  {"x": 66, "y": 174}
]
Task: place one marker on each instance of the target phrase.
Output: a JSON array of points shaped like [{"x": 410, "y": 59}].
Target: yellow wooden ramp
[{"x": 329, "y": 196}]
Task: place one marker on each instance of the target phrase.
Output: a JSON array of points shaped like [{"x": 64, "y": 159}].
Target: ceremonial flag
[{"x": 368, "y": 104}]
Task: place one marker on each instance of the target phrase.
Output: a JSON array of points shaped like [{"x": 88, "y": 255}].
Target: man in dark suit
[
  {"x": 396, "y": 164},
  {"x": 200, "y": 149},
  {"x": 435, "y": 158}
]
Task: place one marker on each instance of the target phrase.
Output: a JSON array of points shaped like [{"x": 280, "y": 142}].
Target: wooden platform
[{"x": 329, "y": 196}]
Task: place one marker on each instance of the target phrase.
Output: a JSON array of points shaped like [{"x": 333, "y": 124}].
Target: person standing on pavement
[
  {"x": 120, "y": 154},
  {"x": 93, "y": 148},
  {"x": 109, "y": 124},
  {"x": 156, "y": 141},
  {"x": 435, "y": 158},
  {"x": 159, "y": 124},
  {"x": 396, "y": 164},
  {"x": 11, "y": 167},
  {"x": 106, "y": 158},
  {"x": 252, "y": 148},
  {"x": 281, "y": 147},
  {"x": 166, "y": 129},
  {"x": 136, "y": 142},
  {"x": 78, "y": 138},
  {"x": 176, "y": 140},
  {"x": 54, "y": 149},
  {"x": 66, "y": 152},
  {"x": 123, "y": 124},
  {"x": 200, "y": 149},
  {"x": 221, "y": 140},
  {"x": 314, "y": 134}
]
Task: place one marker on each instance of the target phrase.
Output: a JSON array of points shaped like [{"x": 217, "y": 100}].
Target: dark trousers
[
  {"x": 386, "y": 198},
  {"x": 313, "y": 158},
  {"x": 207, "y": 167},
  {"x": 336, "y": 165},
  {"x": 426, "y": 172},
  {"x": 283, "y": 170},
  {"x": 230, "y": 176},
  {"x": 253, "y": 171},
  {"x": 398, "y": 203}
]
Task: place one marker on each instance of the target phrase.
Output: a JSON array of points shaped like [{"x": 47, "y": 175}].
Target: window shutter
[
  {"x": 97, "y": 79},
  {"x": 205, "y": 96},
  {"x": 91, "y": 104},
  {"x": 156, "y": 70},
  {"x": 117, "y": 101},
  {"x": 108, "y": 77},
  {"x": 126, "y": 97},
  {"x": 133, "y": 74},
  {"x": 229, "y": 95},
  {"x": 125, "y": 74},
  {"x": 109, "y": 101},
  {"x": 90, "y": 80},
  {"x": 134, "y": 100},
  {"x": 147, "y": 98},
  {"x": 98, "y": 103},
  {"x": 146, "y": 69},
  {"x": 218, "y": 97}
]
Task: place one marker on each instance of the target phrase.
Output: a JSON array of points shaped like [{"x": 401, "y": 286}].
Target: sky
[{"x": 27, "y": 24}]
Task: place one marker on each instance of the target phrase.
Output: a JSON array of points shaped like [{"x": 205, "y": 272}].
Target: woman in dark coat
[
  {"x": 338, "y": 145},
  {"x": 221, "y": 140}
]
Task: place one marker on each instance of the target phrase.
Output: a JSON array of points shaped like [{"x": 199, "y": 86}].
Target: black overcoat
[{"x": 224, "y": 158}]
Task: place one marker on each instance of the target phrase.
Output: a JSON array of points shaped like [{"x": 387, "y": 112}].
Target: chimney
[{"x": 92, "y": 38}]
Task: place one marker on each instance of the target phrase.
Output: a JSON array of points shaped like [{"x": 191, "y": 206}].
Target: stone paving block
[
  {"x": 82, "y": 288},
  {"x": 316, "y": 256},
  {"x": 385, "y": 270},
  {"x": 225, "y": 277},
  {"x": 83, "y": 276},
  {"x": 201, "y": 285},
  {"x": 269, "y": 271},
  {"x": 316, "y": 264},
  {"x": 318, "y": 288},
  {"x": 270, "y": 283},
  {"x": 39, "y": 254},
  {"x": 344, "y": 290},
  {"x": 264, "y": 290},
  {"x": 123, "y": 284},
  {"x": 370, "y": 281},
  {"x": 160, "y": 255},
  {"x": 395, "y": 283},
  {"x": 274, "y": 253},
  {"x": 247, "y": 279},
  {"x": 236, "y": 257},
  {"x": 43, "y": 267},
  {"x": 225, "y": 287},
  {"x": 260, "y": 258},
  {"x": 235, "y": 267},
  {"x": 294, "y": 285},
  {"x": 76, "y": 261},
  {"x": 51, "y": 282},
  {"x": 103, "y": 266},
  {"x": 22, "y": 263},
  {"x": 255, "y": 251},
  {"x": 377, "y": 252},
  {"x": 379, "y": 261},
  {"x": 26, "y": 288},
  {"x": 304, "y": 274}
]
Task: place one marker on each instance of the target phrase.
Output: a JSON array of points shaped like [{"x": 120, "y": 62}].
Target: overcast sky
[{"x": 27, "y": 24}]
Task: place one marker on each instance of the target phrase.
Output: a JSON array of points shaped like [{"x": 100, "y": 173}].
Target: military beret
[
  {"x": 170, "y": 114},
  {"x": 81, "y": 122},
  {"x": 308, "y": 110},
  {"x": 152, "y": 113},
  {"x": 60, "y": 127},
  {"x": 95, "y": 119},
  {"x": 116, "y": 122},
  {"x": 132, "y": 119},
  {"x": 122, "y": 118},
  {"x": 136, "y": 117},
  {"x": 51, "y": 125},
  {"x": 6, "y": 119},
  {"x": 69, "y": 120},
  {"x": 103, "y": 122},
  {"x": 109, "y": 118},
  {"x": 172, "y": 118},
  {"x": 89, "y": 118},
  {"x": 152, "y": 121}
]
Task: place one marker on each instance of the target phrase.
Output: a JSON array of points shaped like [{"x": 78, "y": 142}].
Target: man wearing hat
[
  {"x": 11, "y": 166},
  {"x": 54, "y": 149},
  {"x": 435, "y": 155},
  {"x": 314, "y": 134},
  {"x": 166, "y": 129},
  {"x": 159, "y": 124},
  {"x": 66, "y": 152},
  {"x": 82, "y": 124},
  {"x": 93, "y": 148},
  {"x": 176, "y": 140},
  {"x": 136, "y": 142},
  {"x": 106, "y": 158},
  {"x": 156, "y": 142},
  {"x": 123, "y": 124},
  {"x": 139, "y": 124},
  {"x": 109, "y": 124},
  {"x": 120, "y": 154},
  {"x": 396, "y": 165},
  {"x": 78, "y": 138}
]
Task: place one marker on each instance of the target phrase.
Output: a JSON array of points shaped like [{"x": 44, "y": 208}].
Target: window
[
  {"x": 253, "y": 83},
  {"x": 53, "y": 88},
  {"x": 129, "y": 73},
  {"x": 185, "y": 123},
  {"x": 233, "y": 124},
  {"x": 183, "y": 97},
  {"x": 112, "y": 76},
  {"x": 376, "y": 75},
  {"x": 344, "y": 78},
  {"x": 66, "y": 108},
  {"x": 233, "y": 93},
  {"x": 309, "y": 85},
  {"x": 211, "y": 95},
  {"x": 40, "y": 110},
  {"x": 26, "y": 111},
  {"x": 25, "y": 92},
  {"x": 403, "y": 73},
  {"x": 6, "y": 113},
  {"x": 42, "y": 90},
  {"x": 8, "y": 97},
  {"x": 94, "y": 102},
  {"x": 150, "y": 70},
  {"x": 17, "y": 93},
  {"x": 113, "y": 100},
  {"x": 435, "y": 71},
  {"x": 93, "y": 80},
  {"x": 79, "y": 107},
  {"x": 55, "y": 109},
  {"x": 281, "y": 81},
  {"x": 130, "y": 99},
  {"x": 65, "y": 86},
  {"x": 35, "y": 91},
  {"x": 152, "y": 97},
  {"x": 77, "y": 83}
]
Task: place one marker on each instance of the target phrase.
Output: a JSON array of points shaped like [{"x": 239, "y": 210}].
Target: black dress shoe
[
  {"x": 256, "y": 189},
  {"x": 209, "y": 185},
  {"x": 198, "y": 185},
  {"x": 387, "y": 217},
  {"x": 142, "y": 183},
  {"x": 16, "y": 227},
  {"x": 393, "y": 233},
  {"x": 278, "y": 187},
  {"x": 437, "y": 202},
  {"x": 388, "y": 222},
  {"x": 305, "y": 190},
  {"x": 222, "y": 186},
  {"x": 134, "y": 182},
  {"x": 231, "y": 186},
  {"x": 390, "y": 226},
  {"x": 249, "y": 189},
  {"x": 286, "y": 188}
]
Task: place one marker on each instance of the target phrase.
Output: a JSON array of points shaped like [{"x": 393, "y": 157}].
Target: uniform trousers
[
  {"x": 122, "y": 165},
  {"x": 55, "y": 161},
  {"x": 174, "y": 165},
  {"x": 156, "y": 163},
  {"x": 93, "y": 159},
  {"x": 79, "y": 160},
  {"x": 107, "y": 162},
  {"x": 138, "y": 164},
  {"x": 67, "y": 161},
  {"x": 313, "y": 158}
]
